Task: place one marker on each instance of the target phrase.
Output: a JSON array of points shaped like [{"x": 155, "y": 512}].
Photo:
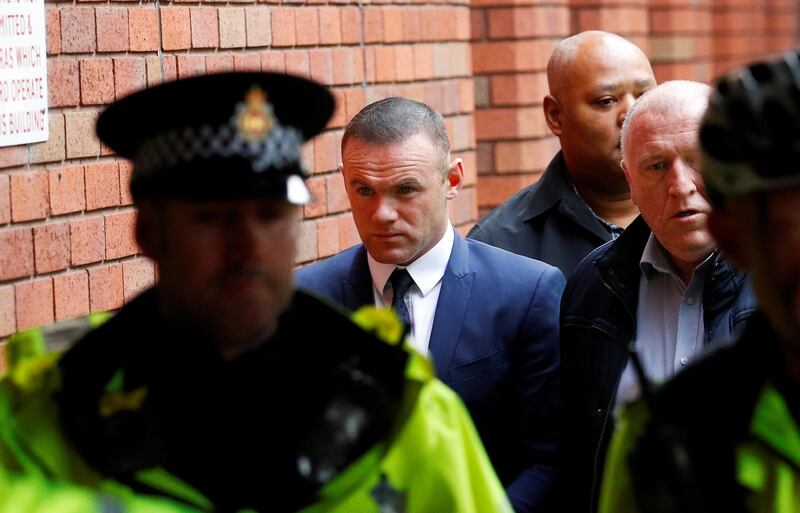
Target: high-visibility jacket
[
  {"x": 433, "y": 461},
  {"x": 743, "y": 451}
]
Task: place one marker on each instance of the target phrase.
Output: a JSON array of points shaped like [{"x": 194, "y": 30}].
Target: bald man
[
  {"x": 661, "y": 288},
  {"x": 582, "y": 200}
]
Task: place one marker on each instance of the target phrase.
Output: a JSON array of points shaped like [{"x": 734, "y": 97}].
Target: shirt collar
[
  {"x": 655, "y": 259},
  {"x": 427, "y": 270}
]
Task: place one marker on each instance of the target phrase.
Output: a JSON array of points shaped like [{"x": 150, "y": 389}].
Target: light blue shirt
[{"x": 669, "y": 319}]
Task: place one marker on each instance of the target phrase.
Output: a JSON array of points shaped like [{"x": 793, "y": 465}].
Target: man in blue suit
[{"x": 488, "y": 318}]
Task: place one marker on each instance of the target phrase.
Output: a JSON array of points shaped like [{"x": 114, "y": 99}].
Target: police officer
[
  {"x": 723, "y": 436},
  {"x": 223, "y": 388}
]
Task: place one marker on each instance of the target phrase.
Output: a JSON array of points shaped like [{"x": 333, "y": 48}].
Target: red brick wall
[
  {"x": 66, "y": 239},
  {"x": 66, "y": 244}
]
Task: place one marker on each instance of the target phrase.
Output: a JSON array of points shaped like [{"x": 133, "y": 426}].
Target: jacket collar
[
  {"x": 555, "y": 190},
  {"x": 620, "y": 270}
]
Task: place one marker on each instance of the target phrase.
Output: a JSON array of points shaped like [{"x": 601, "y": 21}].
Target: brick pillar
[{"x": 510, "y": 47}]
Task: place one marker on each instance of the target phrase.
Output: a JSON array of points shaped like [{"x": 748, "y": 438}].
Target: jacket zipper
[{"x": 613, "y": 396}]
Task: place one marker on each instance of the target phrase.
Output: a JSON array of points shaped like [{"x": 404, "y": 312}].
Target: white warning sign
[{"x": 23, "y": 72}]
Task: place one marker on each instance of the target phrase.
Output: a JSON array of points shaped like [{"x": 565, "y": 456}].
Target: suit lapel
[
  {"x": 357, "y": 286},
  {"x": 454, "y": 298}
]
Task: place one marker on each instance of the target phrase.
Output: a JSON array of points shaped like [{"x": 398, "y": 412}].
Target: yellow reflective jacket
[
  {"x": 742, "y": 440},
  {"x": 433, "y": 461}
]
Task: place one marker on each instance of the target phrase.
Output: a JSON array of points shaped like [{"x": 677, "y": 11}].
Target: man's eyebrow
[{"x": 611, "y": 86}]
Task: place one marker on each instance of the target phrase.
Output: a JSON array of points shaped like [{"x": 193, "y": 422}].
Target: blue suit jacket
[{"x": 495, "y": 342}]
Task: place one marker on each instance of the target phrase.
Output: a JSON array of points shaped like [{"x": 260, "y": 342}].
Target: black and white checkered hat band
[{"x": 279, "y": 149}]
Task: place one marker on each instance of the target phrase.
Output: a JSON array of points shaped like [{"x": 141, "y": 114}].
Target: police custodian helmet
[
  {"x": 219, "y": 136},
  {"x": 750, "y": 134}
]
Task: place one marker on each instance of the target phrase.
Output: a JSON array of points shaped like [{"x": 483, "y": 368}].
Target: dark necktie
[{"x": 401, "y": 282}]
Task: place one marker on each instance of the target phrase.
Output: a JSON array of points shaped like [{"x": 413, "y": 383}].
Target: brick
[
  {"x": 130, "y": 75},
  {"x": 351, "y": 24},
  {"x": 423, "y": 62},
  {"x": 102, "y": 185},
  {"x": 55, "y": 146},
  {"x": 297, "y": 62},
  {"x": 348, "y": 234},
  {"x": 283, "y": 29},
  {"x": 336, "y": 194},
  {"x": 338, "y": 119},
  {"x": 191, "y": 65},
  {"x": 71, "y": 292},
  {"x": 137, "y": 275},
  {"x": 527, "y": 22},
  {"x": 343, "y": 71},
  {"x": 8, "y": 312},
  {"x": 125, "y": 171},
  {"x": 355, "y": 100},
  {"x": 66, "y": 188},
  {"x": 247, "y": 62},
  {"x": 327, "y": 237},
  {"x": 78, "y": 30},
  {"x": 176, "y": 28},
  {"x": 259, "y": 28},
  {"x": 330, "y": 25},
  {"x": 393, "y": 24},
  {"x": 373, "y": 25},
  {"x": 87, "y": 240},
  {"x": 321, "y": 65},
  {"x": 404, "y": 63},
  {"x": 478, "y": 24},
  {"x": 105, "y": 288},
  {"x": 52, "y": 24},
  {"x": 16, "y": 253},
  {"x": 51, "y": 247},
  {"x": 29, "y": 199},
  {"x": 615, "y": 19},
  {"x": 63, "y": 84},
  {"x": 412, "y": 25},
  {"x": 671, "y": 49},
  {"x": 97, "y": 81},
  {"x": 120, "y": 238},
  {"x": 462, "y": 209},
  {"x": 219, "y": 62},
  {"x": 470, "y": 167},
  {"x": 81, "y": 138},
  {"x": 5, "y": 199},
  {"x": 112, "y": 29},
  {"x": 498, "y": 57},
  {"x": 326, "y": 152},
  {"x": 232, "y": 31},
  {"x": 205, "y": 27},
  {"x": 143, "y": 29},
  {"x": 493, "y": 124},
  {"x": 307, "y": 27},
  {"x": 385, "y": 64},
  {"x": 307, "y": 241},
  {"x": 316, "y": 185},
  {"x": 518, "y": 89},
  {"x": 493, "y": 190},
  {"x": 524, "y": 156},
  {"x": 34, "y": 303},
  {"x": 13, "y": 156},
  {"x": 273, "y": 60}
]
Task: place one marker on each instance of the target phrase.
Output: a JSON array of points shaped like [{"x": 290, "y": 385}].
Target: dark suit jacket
[
  {"x": 547, "y": 221},
  {"x": 495, "y": 342}
]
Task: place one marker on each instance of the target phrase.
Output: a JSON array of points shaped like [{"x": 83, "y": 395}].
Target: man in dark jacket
[
  {"x": 582, "y": 200},
  {"x": 733, "y": 415},
  {"x": 660, "y": 289}
]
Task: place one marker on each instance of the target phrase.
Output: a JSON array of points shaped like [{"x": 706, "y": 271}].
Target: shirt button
[
  {"x": 684, "y": 360},
  {"x": 690, "y": 300}
]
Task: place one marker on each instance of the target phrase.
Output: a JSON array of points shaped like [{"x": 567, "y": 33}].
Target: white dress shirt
[{"x": 422, "y": 297}]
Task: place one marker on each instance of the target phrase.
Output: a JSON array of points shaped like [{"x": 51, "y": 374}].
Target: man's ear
[
  {"x": 727, "y": 232},
  {"x": 628, "y": 178},
  {"x": 552, "y": 114},
  {"x": 147, "y": 232},
  {"x": 454, "y": 177}
]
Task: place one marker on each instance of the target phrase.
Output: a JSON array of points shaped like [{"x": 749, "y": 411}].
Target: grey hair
[
  {"x": 671, "y": 96},
  {"x": 393, "y": 120}
]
